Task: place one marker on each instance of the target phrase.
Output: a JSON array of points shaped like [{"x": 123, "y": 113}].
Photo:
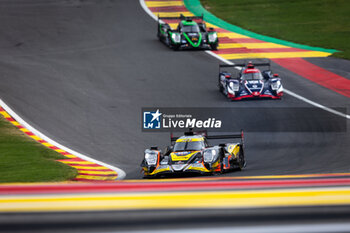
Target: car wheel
[
  {"x": 241, "y": 161},
  {"x": 167, "y": 41},
  {"x": 214, "y": 46},
  {"x": 176, "y": 47},
  {"x": 222, "y": 170},
  {"x": 221, "y": 88}
]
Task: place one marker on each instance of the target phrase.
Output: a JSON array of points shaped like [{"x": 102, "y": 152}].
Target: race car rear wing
[
  {"x": 228, "y": 136},
  {"x": 210, "y": 137},
  {"x": 182, "y": 17},
  {"x": 244, "y": 65},
  {"x": 190, "y": 132}
]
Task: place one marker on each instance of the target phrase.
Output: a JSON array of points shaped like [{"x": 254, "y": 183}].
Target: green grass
[
  {"x": 24, "y": 160},
  {"x": 319, "y": 23}
]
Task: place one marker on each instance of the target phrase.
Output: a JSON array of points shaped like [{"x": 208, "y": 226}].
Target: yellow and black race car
[{"x": 191, "y": 153}]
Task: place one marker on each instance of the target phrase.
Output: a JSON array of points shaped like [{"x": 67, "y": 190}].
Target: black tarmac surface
[{"x": 80, "y": 72}]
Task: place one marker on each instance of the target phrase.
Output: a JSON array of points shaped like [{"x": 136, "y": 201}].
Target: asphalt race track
[{"x": 80, "y": 72}]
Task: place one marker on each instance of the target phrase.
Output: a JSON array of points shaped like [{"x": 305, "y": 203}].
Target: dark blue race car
[{"x": 251, "y": 83}]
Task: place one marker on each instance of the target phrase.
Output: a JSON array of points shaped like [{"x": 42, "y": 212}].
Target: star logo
[{"x": 156, "y": 115}]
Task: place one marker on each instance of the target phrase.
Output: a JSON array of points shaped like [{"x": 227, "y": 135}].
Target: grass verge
[
  {"x": 319, "y": 23},
  {"x": 24, "y": 160}
]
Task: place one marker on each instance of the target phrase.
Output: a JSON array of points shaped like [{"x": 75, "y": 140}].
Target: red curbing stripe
[
  {"x": 93, "y": 170},
  {"x": 316, "y": 74},
  {"x": 246, "y": 50},
  {"x": 77, "y": 164},
  {"x": 166, "y": 186},
  {"x": 72, "y": 160},
  {"x": 225, "y": 40},
  {"x": 239, "y": 40},
  {"x": 222, "y": 30},
  {"x": 86, "y": 165},
  {"x": 65, "y": 153},
  {"x": 92, "y": 174},
  {"x": 29, "y": 133}
]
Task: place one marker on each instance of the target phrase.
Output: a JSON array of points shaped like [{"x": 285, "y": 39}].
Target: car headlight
[
  {"x": 230, "y": 89},
  {"x": 212, "y": 37},
  {"x": 275, "y": 85},
  {"x": 176, "y": 37},
  {"x": 151, "y": 157},
  {"x": 209, "y": 155},
  {"x": 233, "y": 87}
]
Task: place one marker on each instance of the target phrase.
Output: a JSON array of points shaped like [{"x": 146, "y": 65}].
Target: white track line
[
  {"x": 121, "y": 173},
  {"x": 143, "y": 4},
  {"x": 286, "y": 228},
  {"x": 316, "y": 104}
]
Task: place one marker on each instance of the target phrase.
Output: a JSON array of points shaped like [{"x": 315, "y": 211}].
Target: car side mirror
[{"x": 168, "y": 149}]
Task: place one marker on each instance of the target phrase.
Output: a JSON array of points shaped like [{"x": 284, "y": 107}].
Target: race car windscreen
[
  {"x": 190, "y": 28},
  {"x": 252, "y": 76},
  {"x": 189, "y": 146}
]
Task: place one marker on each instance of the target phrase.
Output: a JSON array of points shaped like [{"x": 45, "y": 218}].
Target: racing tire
[
  {"x": 149, "y": 177},
  {"x": 222, "y": 170},
  {"x": 175, "y": 47},
  {"x": 216, "y": 173},
  {"x": 214, "y": 46},
  {"x": 167, "y": 41},
  {"x": 241, "y": 161},
  {"x": 221, "y": 88},
  {"x": 221, "y": 167}
]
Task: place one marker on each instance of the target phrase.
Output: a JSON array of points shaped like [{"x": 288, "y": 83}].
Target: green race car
[{"x": 189, "y": 33}]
